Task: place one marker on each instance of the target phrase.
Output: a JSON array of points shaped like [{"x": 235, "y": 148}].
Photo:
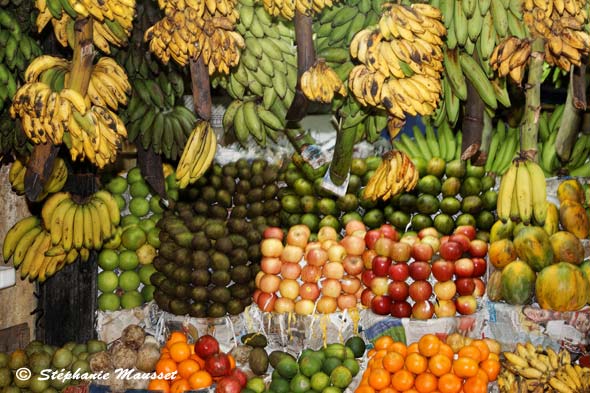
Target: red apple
[
  {"x": 388, "y": 231},
  {"x": 366, "y": 297},
  {"x": 381, "y": 304},
  {"x": 271, "y": 265},
  {"x": 480, "y": 287},
  {"x": 451, "y": 251},
  {"x": 353, "y": 226},
  {"x": 420, "y": 270},
  {"x": 464, "y": 267},
  {"x": 312, "y": 246},
  {"x": 463, "y": 241},
  {"x": 422, "y": 310},
  {"x": 466, "y": 305},
  {"x": 443, "y": 270},
  {"x": 465, "y": 286},
  {"x": 367, "y": 257},
  {"x": 266, "y": 301},
  {"x": 273, "y": 232},
  {"x": 401, "y": 252},
  {"x": 478, "y": 248},
  {"x": 444, "y": 239},
  {"x": 311, "y": 273},
  {"x": 381, "y": 265},
  {"x": 430, "y": 231},
  {"x": 309, "y": 290},
  {"x": 398, "y": 290},
  {"x": 317, "y": 257},
  {"x": 383, "y": 246},
  {"x": 445, "y": 308},
  {"x": 327, "y": 233},
  {"x": 292, "y": 254},
  {"x": 271, "y": 247},
  {"x": 336, "y": 253},
  {"x": 379, "y": 285},
  {"x": 371, "y": 238},
  {"x": 409, "y": 239},
  {"x": 480, "y": 266},
  {"x": 445, "y": 290},
  {"x": 353, "y": 245},
  {"x": 420, "y": 290},
  {"x": 353, "y": 264},
  {"x": 206, "y": 346},
  {"x": 432, "y": 241},
  {"x": 399, "y": 271},
  {"x": 467, "y": 230},
  {"x": 401, "y": 309},
  {"x": 350, "y": 284},
  {"x": 298, "y": 235},
  {"x": 367, "y": 277},
  {"x": 422, "y": 252}
]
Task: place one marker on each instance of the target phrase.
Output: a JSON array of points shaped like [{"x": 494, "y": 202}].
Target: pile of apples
[{"x": 422, "y": 275}]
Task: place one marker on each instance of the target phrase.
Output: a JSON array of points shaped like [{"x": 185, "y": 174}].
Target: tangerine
[
  {"x": 475, "y": 385},
  {"x": 483, "y": 348},
  {"x": 429, "y": 345},
  {"x": 439, "y": 364},
  {"x": 379, "y": 379},
  {"x": 200, "y": 379},
  {"x": 393, "y": 361},
  {"x": 426, "y": 383},
  {"x": 491, "y": 368},
  {"x": 180, "y": 351},
  {"x": 166, "y": 366},
  {"x": 399, "y": 347},
  {"x": 176, "y": 337},
  {"x": 402, "y": 380},
  {"x": 470, "y": 351},
  {"x": 159, "y": 384},
  {"x": 179, "y": 386},
  {"x": 450, "y": 383},
  {"x": 465, "y": 367},
  {"x": 187, "y": 367},
  {"x": 416, "y": 363},
  {"x": 383, "y": 342}
]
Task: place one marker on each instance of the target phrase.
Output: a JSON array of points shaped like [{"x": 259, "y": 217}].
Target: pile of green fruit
[
  {"x": 38, "y": 357},
  {"x": 328, "y": 370},
  {"x": 209, "y": 252},
  {"x": 126, "y": 261}
]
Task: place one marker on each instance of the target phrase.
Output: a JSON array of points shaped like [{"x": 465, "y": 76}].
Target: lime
[
  {"x": 291, "y": 203},
  {"x": 107, "y": 281},
  {"x": 487, "y": 182},
  {"x": 357, "y": 345},
  {"x": 153, "y": 237},
  {"x": 330, "y": 221},
  {"x": 129, "y": 280},
  {"x": 131, "y": 299},
  {"x": 327, "y": 206},
  {"x": 465, "y": 219},
  {"x": 475, "y": 171},
  {"x": 139, "y": 189},
  {"x": 309, "y": 365},
  {"x": 358, "y": 167},
  {"x": 139, "y": 207},
  {"x": 145, "y": 272},
  {"x": 309, "y": 204},
  {"x": 303, "y": 187},
  {"x": 450, "y": 205},
  {"x": 134, "y": 175},
  {"x": 256, "y": 384},
  {"x": 287, "y": 367},
  {"x": 320, "y": 381},
  {"x": 109, "y": 302},
  {"x": 147, "y": 292},
  {"x": 421, "y": 164},
  {"x": 345, "y": 219},
  {"x": 129, "y": 221},
  {"x": 147, "y": 224},
  {"x": 133, "y": 238},
  {"x": 352, "y": 365},
  {"x": 373, "y": 162},
  {"x": 407, "y": 203},
  {"x": 374, "y": 218},
  {"x": 470, "y": 186},
  {"x": 121, "y": 203},
  {"x": 489, "y": 199},
  {"x": 279, "y": 385},
  {"x": 128, "y": 260},
  {"x": 117, "y": 186},
  {"x": 444, "y": 223},
  {"x": 155, "y": 204},
  {"x": 347, "y": 203},
  {"x": 108, "y": 260},
  {"x": 427, "y": 204},
  {"x": 484, "y": 220},
  {"x": 330, "y": 364},
  {"x": 300, "y": 384},
  {"x": 421, "y": 221},
  {"x": 332, "y": 389},
  {"x": 471, "y": 204},
  {"x": 341, "y": 377},
  {"x": 311, "y": 220},
  {"x": 429, "y": 184},
  {"x": 451, "y": 186},
  {"x": 436, "y": 167},
  {"x": 399, "y": 219}
]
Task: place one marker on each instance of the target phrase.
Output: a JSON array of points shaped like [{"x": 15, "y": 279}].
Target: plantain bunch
[
  {"x": 511, "y": 57},
  {"x": 395, "y": 174},
  {"x": 287, "y": 8},
  {"x": 401, "y": 63},
  {"x": 320, "y": 82}
]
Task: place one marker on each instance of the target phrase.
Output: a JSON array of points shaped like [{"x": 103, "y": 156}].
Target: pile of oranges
[
  {"x": 179, "y": 356},
  {"x": 429, "y": 365}
]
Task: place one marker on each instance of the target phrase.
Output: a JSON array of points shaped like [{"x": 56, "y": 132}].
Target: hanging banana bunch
[{"x": 320, "y": 82}]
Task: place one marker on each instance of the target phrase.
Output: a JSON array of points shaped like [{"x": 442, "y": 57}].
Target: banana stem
[
  {"x": 569, "y": 125},
  {"x": 530, "y": 126},
  {"x": 201, "y": 88},
  {"x": 342, "y": 158},
  {"x": 486, "y": 140},
  {"x": 39, "y": 169},
  {"x": 83, "y": 56},
  {"x": 299, "y": 138},
  {"x": 472, "y": 123}
]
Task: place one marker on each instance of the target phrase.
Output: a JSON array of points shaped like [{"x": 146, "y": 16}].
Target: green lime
[
  {"x": 139, "y": 189},
  {"x": 345, "y": 219},
  {"x": 134, "y": 175},
  {"x": 421, "y": 164},
  {"x": 129, "y": 280},
  {"x": 133, "y": 238},
  {"x": 330, "y": 221},
  {"x": 475, "y": 171},
  {"x": 320, "y": 381},
  {"x": 373, "y": 162},
  {"x": 300, "y": 384},
  {"x": 291, "y": 204},
  {"x": 399, "y": 219},
  {"x": 311, "y": 220},
  {"x": 421, "y": 221},
  {"x": 455, "y": 168},
  {"x": 451, "y": 186},
  {"x": 131, "y": 299},
  {"x": 357, "y": 345},
  {"x": 287, "y": 367},
  {"x": 139, "y": 207},
  {"x": 489, "y": 199},
  {"x": 153, "y": 237},
  {"x": 108, "y": 302},
  {"x": 117, "y": 186},
  {"x": 279, "y": 385},
  {"x": 303, "y": 187},
  {"x": 256, "y": 384},
  {"x": 429, "y": 184},
  {"x": 470, "y": 186},
  {"x": 129, "y": 221},
  {"x": 444, "y": 223},
  {"x": 332, "y": 389},
  {"x": 341, "y": 377},
  {"x": 374, "y": 218},
  {"x": 108, "y": 281},
  {"x": 358, "y": 167},
  {"x": 347, "y": 203},
  {"x": 147, "y": 224},
  {"x": 121, "y": 203},
  {"x": 128, "y": 260},
  {"x": 309, "y": 365},
  {"x": 145, "y": 272},
  {"x": 155, "y": 204},
  {"x": 147, "y": 292},
  {"x": 427, "y": 204},
  {"x": 309, "y": 204},
  {"x": 352, "y": 365},
  {"x": 450, "y": 205},
  {"x": 330, "y": 364},
  {"x": 108, "y": 259},
  {"x": 407, "y": 203},
  {"x": 484, "y": 220},
  {"x": 327, "y": 206},
  {"x": 436, "y": 167},
  {"x": 465, "y": 219}
]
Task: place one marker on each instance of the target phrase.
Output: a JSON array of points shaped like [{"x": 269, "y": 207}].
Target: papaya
[
  {"x": 562, "y": 287},
  {"x": 551, "y": 224},
  {"x": 501, "y": 230},
  {"x": 501, "y": 253},
  {"x": 517, "y": 283},
  {"x": 585, "y": 267},
  {"x": 573, "y": 218},
  {"x": 534, "y": 247},
  {"x": 567, "y": 248},
  {"x": 517, "y": 228},
  {"x": 571, "y": 190},
  {"x": 493, "y": 289}
]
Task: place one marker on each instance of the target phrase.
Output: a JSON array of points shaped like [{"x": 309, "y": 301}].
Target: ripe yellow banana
[{"x": 507, "y": 185}]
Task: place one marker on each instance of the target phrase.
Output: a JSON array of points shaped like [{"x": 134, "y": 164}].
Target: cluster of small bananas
[
  {"x": 395, "y": 174},
  {"x": 522, "y": 195},
  {"x": 287, "y": 8},
  {"x": 562, "y": 23},
  {"x": 266, "y": 74},
  {"x": 55, "y": 182},
  {"x": 538, "y": 369},
  {"x": 198, "y": 28},
  {"x": 504, "y": 146},
  {"x": 445, "y": 145},
  {"x": 112, "y": 21},
  {"x": 197, "y": 155},
  {"x": 320, "y": 82},
  {"x": 511, "y": 57},
  {"x": 402, "y": 62}
]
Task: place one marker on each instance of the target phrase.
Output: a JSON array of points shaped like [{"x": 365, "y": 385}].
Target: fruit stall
[{"x": 236, "y": 196}]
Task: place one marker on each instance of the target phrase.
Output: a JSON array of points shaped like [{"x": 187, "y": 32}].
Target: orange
[
  {"x": 413, "y": 347},
  {"x": 159, "y": 384},
  {"x": 402, "y": 380},
  {"x": 416, "y": 363},
  {"x": 176, "y": 337},
  {"x": 445, "y": 349},
  {"x": 393, "y": 361},
  {"x": 491, "y": 368},
  {"x": 428, "y": 345},
  {"x": 200, "y": 379},
  {"x": 426, "y": 383},
  {"x": 380, "y": 354},
  {"x": 379, "y": 379},
  {"x": 383, "y": 342},
  {"x": 180, "y": 351},
  {"x": 475, "y": 385},
  {"x": 465, "y": 367},
  {"x": 166, "y": 366},
  {"x": 439, "y": 364},
  {"x": 449, "y": 383},
  {"x": 481, "y": 374},
  {"x": 483, "y": 348},
  {"x": 388, "y": 390},
  {"x": 371, "y": 352},
  {"x": 399, "y": 347},
  {"x": 187, "y": 367},
  {"x": 232, "y": 361},
  {"x": 364, "y": 388},
  {"x": 198, "y": 359},
  {"x": 470, "y": 351},
  {"x": 179, "y": 386},
  {"x": 376, "y": 363}
]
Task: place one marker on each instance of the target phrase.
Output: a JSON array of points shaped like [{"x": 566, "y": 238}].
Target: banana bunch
[
  {"x": 395, "y": 174},
  {"x": 197, "y": 155},
  {"x": 511, "y": 57},
  {"x": 56, "y": 181},
  {"x": 401, "y": 62},
  {"x": 522, "y": 195},
  {"x": 503, "y": 148},
  {"x": 12, "y": 137},
  {"x": 538, "y": 369},
  {"x": 562, "y": 24},
  {"x": 266, "y": 74},
  {"x": 108, "y": 86},
  {"x": 286, "y": 9},
  {"x": 445, "y": 145},
  {"x": 320, "y": 82}
]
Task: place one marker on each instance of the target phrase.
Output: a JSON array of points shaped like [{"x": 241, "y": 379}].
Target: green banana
[{"x": 478, "y": 79}]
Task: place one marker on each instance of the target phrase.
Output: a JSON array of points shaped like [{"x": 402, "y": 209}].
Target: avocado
[
  {"x": 182, "y": 256},
  {"x": 255, "y": 195},
  {"x": 258, "y": 361},
  {"x": 239, "y": 291},
  {"x": 255, "y": 340},
  {"x": 179, "y": 307},
  {"x": 243, "y": 187},
  {"x": 276, "y": 356},
  {"x": 200, "y": 277}
]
